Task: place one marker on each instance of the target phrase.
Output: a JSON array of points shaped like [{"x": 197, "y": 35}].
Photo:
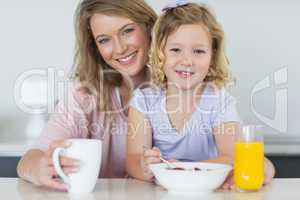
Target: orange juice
[{"x": 249, "y": 165}]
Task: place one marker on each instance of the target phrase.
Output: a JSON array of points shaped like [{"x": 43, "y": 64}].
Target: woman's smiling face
[{"x": 122, "y": 43}]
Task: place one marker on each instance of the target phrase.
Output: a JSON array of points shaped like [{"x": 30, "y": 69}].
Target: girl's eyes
[
  {"x": 176, "y": 50},
  {"x": 199, "y": 51},
  {"x": 196, "y": 51}
]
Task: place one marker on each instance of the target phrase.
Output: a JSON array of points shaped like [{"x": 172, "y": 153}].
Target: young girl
[{"x": 187, "y": 115}]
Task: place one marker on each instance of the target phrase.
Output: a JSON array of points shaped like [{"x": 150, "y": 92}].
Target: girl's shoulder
[
  {"x": 154, "y": 92},
  {"x": 147, "y": 98},
  {"x": 215, "y": 95}
]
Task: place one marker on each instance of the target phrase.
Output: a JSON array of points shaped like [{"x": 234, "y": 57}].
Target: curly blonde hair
[{"x": 169, "y": 22}]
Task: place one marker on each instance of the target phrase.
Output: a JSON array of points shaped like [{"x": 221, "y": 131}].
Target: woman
[{"x": 113, "y": 38}]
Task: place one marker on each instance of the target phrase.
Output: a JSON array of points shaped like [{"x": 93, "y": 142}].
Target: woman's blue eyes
[{"x": 126, "y": 31}]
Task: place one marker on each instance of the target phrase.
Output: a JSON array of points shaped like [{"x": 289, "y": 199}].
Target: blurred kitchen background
[{"x": 37, "y": 46}]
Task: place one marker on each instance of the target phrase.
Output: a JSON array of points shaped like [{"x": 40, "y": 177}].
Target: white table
[{"x": 130, "y": 189}]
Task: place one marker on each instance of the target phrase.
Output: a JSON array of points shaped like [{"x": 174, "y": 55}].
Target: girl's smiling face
[{"x": 188, "y": 54}]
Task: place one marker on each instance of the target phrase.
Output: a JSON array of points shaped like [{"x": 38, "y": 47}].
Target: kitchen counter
[
  {"x": 114, "y": 189},
  {"x": 17, "y": 147},
  {"x": 14, "y": 148},
  {"x": 284, "y": 155},
  {"x": 17, "y": 135}
]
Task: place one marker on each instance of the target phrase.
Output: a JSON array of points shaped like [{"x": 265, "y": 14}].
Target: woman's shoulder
[
  {"x": 78, "y": 97},
  {"x": 79, "y": 92}
]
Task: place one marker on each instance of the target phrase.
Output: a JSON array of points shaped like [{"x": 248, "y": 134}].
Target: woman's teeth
[{"x": 127, "y": 59}]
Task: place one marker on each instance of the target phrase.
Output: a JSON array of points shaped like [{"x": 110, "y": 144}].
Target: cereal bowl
[{"x": 196, "y": 178}]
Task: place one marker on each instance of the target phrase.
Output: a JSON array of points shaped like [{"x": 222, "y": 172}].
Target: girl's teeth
[{"x": 185, "y": 74}]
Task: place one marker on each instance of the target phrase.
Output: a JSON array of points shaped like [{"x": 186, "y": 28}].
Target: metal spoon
[{"x": 170, "y": 164}]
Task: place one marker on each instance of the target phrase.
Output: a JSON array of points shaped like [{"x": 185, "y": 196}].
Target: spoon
[{"x": 169, "y": 164}]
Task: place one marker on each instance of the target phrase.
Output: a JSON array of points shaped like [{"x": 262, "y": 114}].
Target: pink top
[{"x": 75, "y": 116}]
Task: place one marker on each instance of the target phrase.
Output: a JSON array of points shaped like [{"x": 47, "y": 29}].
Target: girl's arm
[
  {"x": 224, "y": 137},
  {"x": 269, "y": 171},
  {"x": 139, "y": 143}
]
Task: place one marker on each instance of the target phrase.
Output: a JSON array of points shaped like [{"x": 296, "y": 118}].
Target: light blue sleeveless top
[{"x": 195, "y": 141}]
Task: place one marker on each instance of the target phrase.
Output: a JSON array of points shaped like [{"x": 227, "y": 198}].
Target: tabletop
[{"x": 131, "y": 189}]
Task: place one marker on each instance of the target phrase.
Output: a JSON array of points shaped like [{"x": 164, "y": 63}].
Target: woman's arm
[
  {"x": 36, "y": 167},
  {"x": 139, "y": 143},
  {"x": 26, "y": 166}
]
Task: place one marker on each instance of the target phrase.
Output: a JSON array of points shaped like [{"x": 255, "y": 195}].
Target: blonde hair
[
  {"x": 88, "y": 63},
  {"x": 169, "y": 22}
]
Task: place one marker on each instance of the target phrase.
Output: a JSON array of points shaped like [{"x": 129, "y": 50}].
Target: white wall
[
  {"x": 34, "y": 34},
  {"x": 262, "y": 37}
]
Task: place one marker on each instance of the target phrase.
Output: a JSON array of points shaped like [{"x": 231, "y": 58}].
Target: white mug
[{"x": 88, "y": 152}]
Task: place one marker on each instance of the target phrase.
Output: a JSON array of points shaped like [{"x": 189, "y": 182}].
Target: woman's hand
[
  {"x": 150, "y": 156},
  {"x": 43, "y": 172}
]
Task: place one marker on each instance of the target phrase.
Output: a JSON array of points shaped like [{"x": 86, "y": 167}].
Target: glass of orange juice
[{"x": 249, "y": 158}]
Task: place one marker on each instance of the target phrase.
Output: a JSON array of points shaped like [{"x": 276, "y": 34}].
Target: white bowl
[{"x": 191, "y": 182}]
